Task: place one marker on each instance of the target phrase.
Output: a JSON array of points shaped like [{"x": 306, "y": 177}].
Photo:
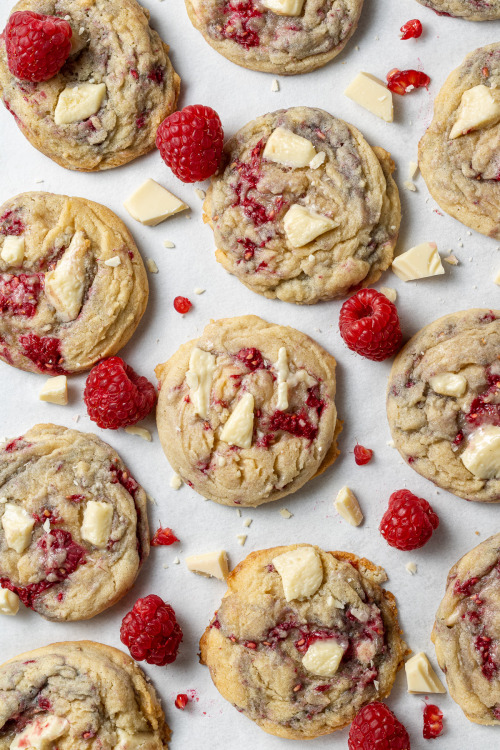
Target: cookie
[
  {"x": 73, "y": 286},
  {"x": 303, "y": 209},
  {"x": 246, "y": 412},
  {"x": 79, "y": 694},
  {"x": 112, "y": 46},
  {"x": 459, "y": 156},
  {"x": 73, "y": 523},
  {"x": 472, "y": 10},
  {"x": 466, "y": 633},
  {"x": 303, "y": 639},
  {"x": 443, "y": 404},
  {"x": 276, "y": 36}
]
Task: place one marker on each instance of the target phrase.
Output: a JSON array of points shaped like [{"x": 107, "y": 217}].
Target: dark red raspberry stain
[
  {"x": 156, "y": 75},
  {"x": 11, "y": 224},
  {"x": 483, "y": 410},
  {"x": 296, "y": 424},
  {"x": 466, "y": 587},
  {"x": 314, "y": 401},
  {"x": 252, "y": 359},
  {"x": 237, "y": 26},
  {"x": 75, "y": 498},
  {"x": 489, "y": 667},
  {"x": 44, "y": 352},
  {"x": 13, "y": 445},
  {"x": 124, "y": 477},
  {"x": 249, "y": 174},
  {"x": 19, "y": 295}
]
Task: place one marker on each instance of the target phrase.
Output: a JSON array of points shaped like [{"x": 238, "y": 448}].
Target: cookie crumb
[
  {"x": 113, "y": 262},
  {"x": 317, "y": 160},
  {"x": 176, "y": 481},
  {"x": 452, "y": 260},
  {"x": 285, "y": 513},
  {"x": 241, "y": 539},
  {"x": 275, "y": 86},
  {"x": 200, "y": 193},
  {"x": 411, "y": 567},
  {"x": 168, "y": 243},
  {"x": 391, "y": 444},
  {"x": 152, "y": 267},
  {"x": 140, "y": 431}
]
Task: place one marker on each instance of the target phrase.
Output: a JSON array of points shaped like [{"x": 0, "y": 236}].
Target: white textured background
[{"x": 240, "y": 95}]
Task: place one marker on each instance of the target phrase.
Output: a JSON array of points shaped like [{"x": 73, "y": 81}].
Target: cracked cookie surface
[{"x": 472, "y": 10}]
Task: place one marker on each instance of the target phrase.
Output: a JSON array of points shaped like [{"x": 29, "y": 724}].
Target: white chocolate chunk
[
  {"x": 140, "y": 432},
  {"x": 448, "y": 384},
  {"x": 199, "y": 379},
  {"x": 390, "y": 293},
  {"x": 210, "y": 564},
  {"x": 241, "y": 539},
  {"x": 283, "y": 373},
  {"x": 284, "y": 7},
  {"x": 114, "y": 262},
  {"x": 411, "y": 567},
  {"x": 151, "y": 204},
  {"x": 9, "y": 603},
  {"x": 347, "y": 506},
  {"x": 77, "y": 103},
  {"x": 482, "y": 454},
  {"x": 419, "y": 262},
  {"x": 176, "y": 481},
  {"x": 318, "y": 160},
  {"x": 13, "y": 250},
  {"x": 323, "y": 657},
  {"x": 303, "y": 225},
  {"x": 412, "y": 169},
  {"x": 238, "y": 429},
  {"x": 134, "y": 741},
  {"x": 478, "y": 109},
  {"x": 409, "y": 185},
  {"x": 288, "y": 148},
  {"x": 97, "y": 520},
  {"x": 40, "y": 734},
  {"x": 65, "y": 285},
  {"x": 285, "y": 513},
  {"x": 17, "y": 525},
  {"x": 371, "y": 94},
  {"x": 496, "y": 279},
  {"x": 55, "y": 390},
  {"x": 421, "y": 677},
  {"x": 301, "y": 572}
]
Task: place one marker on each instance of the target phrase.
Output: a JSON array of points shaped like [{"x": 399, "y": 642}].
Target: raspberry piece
[
  {"x": 181, "y": 701},
  {"x": 433, "y": 722},
  {"x": 362, "y": 455},
  {"x": 376, "y": 728},
  {"x": 369, "y": 325},
  {"x": 163, "y": 538},
  {"x": 151, "y": 632},
  {"x": 403, "y": 81},
  {"x": 252, "y": 358},
  {"x": 115, "y": 396},
  {"x": 190, "y": 142},
  {"x": 182, "y": 305},
  {"x": 411, "y": 29},
  {"x": 295, "y": 424},
  {"x": 238, "y": 27},
  {"x": 37, "y": 46},
  {"x": 19, "y": 294},
  {"x": 44, "y": 352},
  {"x": 408, "y": 522}
]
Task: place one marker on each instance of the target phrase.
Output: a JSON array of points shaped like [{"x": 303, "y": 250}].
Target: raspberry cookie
[
  {"x": 246, "y": 413},
  {"x": 459, "y": 155},
  {"x": 276, "y": 36},
  {"x": 76, "y": 695},
  {"x": 104, "y": 106},
  {"x": 303, "y": 639},
  {"x": 73, "y": 286},
  {"x": 302, "y": 208},
  {"x": 443, "y": 404},
  {"x": 467, "y": 632},
  {"x": 73, "y": 523},
  {"x": 472, "y": 10}
]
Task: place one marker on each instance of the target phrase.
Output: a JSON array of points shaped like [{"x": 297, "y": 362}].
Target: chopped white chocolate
[
  {"x": 199, "y": 379},
  {"x": 9, "y": 603},
  {"x": 17, "y": 525},
  {"x": 419, "y": 262},
  {"x": 302, "y": 225},
  {"x": 283, "y": 373},
  {"x": 114, "y": 262},
  {"x": 452, "y": 260},
  {"x": 152, "y": 203},
  {"x": 323, "y": 657},
  {"x": 96, "y": 525},
  {"x": 152, "y": 267},
  {"x": 284, "y": 7},
  {"x": 285, "y": 513},
  {"x": 210, "y": 564},
  {"x": 497, "y": 278},
  {"x": 317, "y": 160},
  {"x": 448, "y": 384},
  {"x": 412, "y": 170},
  {"x": 238, "y": 429},
  {"x": 288, "y": 148},
  {"x": 421, "y": 677},
  {"x": 347, "y": 506},
  {"x": 13, "y": 250},
  {"x": 140, "y": 432},
  {"x": 241, "y": 539},
  {"x": 482, "y": 454},
  {"x": 168, "y": 243},
  {"x": 46, "y": 525},
  {"x": 301, "y": 572},
  {"x": 176, "y": 481},
  {"x": 65, "y": 285},
  {"x": 372, "y": 94},
  {"x": 200, "y": 193},
  {"x": 55, "y": 390},
  {"x": 176, "y": 561},
  {"x": 199, "y": 290},
  {"x": 389, "y": 293},
  {"x": 135, "y": 741},
  {"x": 248, "y": 522},
  {"x": 77, "y": 103},
  {"x": 275, "y": 85},
  {"x": 409, "y": 185},
  {"x": 40, "y": 734},
  {"x": 411, "y": 567},
  {"x": 478, "y": 109}
]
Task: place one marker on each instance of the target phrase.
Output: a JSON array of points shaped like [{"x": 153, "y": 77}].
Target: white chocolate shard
[
  {"x": 347, "y": 506},
  {"x": 199, "y": 379},
  {"x": 421, "y": 677},
  {"x": 210, "y": 564},
  {"x": 152, "y": 203},
  {"x": 390, "y": 293},
  {"x": 301, "y": 572},
  {"x": 448, "y": 384},
  {"x": 17, "y": 525},
  {"x": 13, "y": 250},
  {"x": 283, "y": 373},
  {"x": 77, "y": 103},
  {"x": 288, "y": 148},
  {"x": 135, "y": 741},
  {"x": 40, "y": 734},
  {"x": 478, "y": 109},
  {"x": 96, "y": 525},
  {"x": 323, "y": 657},
  {"x": 176, "y": 481},
  {"x": 371, "y": 94},
  {"x": 238, "y": 429},
  {"x": 284, "y": 7},
  {"x": 65, "y": 285},
  {"x": 9, "y": 603},
  {"x": 55, "y": 390},
  {"x": 419, "y": 262},
  {"x": 482, "y": 454},
  {"x": 302, "y": 225},
  {"x": 140, "y": 432},
  {"x": 113, "y": 262}
]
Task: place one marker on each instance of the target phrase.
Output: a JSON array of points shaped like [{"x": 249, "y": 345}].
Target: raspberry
[
  {"x": 362, "y": 455},
  {"x": 376, "y": 728},
  {"x": 411, "y": 29},
  {"x": 37, "y": 46},
  {"x": 163, "y": 538},
  {"x": 433, "y": 722},
  {"x": 182, "y": 305},
  {"x": 181, "y": 701},
  {"x": 115, "y": 396},
  {"x": 369, "y": 325},
  {"x": 404, "y": 81},
  {"x": 252, "y": 358},
  {"x": 190, "y": 142},
  {"x": 408, "y": 522},
  {"x": 151, "y": 632}
]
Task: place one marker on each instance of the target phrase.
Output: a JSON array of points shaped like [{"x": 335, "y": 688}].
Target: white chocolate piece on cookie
[
  {"x": 77, "y": 103},
  {"x": 238, "y": 429},
  {"x": 55, "y": 390},
  {"x": 210, "y": 564},
  {"x": 134, "y": 741},
  {"x": 421, "y": 677},
  {"x": 347, "y": 506},
  {"x": 419, "y": 262},
  {"x": 478, "y": 109},
  {"x": 151, "y": 204},
  {"x": 448, "y": 384},
  {"x": 288, "y": 148},
  {"x": 199, "y": 379},
  {"x": 284, "y": 7},
  {"x": 17, "y": 525},
  {"x": 482, "y": 454},
  {"x": 40, "y": 734},
  {"x": 65, "y": 285},
  {"x": 371, "y": 94},
  {"x": 97, "y": 520},
  {"x": 9, "y": 603},
  {"x": 323, "y": 657},
  {"x": 302, "y": 225},
  {"x": 301, "y": 572},
  {"x": 13, "y": 250}
]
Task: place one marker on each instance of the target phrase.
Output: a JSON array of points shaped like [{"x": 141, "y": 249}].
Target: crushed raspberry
[
  {"x": 181, "y": 701},
  {"x": 307, "y": 638},
  {"x": 369, "y": 325},
  {"x": 163, "y": 538},
  {"x": 408, "y": 522},
  {"x": 484, "y": 409},
  {"x": 249, "y": 175},
  {"x": 115, "y": 396},
  {"x": 151, "y": 632},
  {"x": 466, "y": 587},
  {"x": 296, "y": 424},
  {"x": 251, "y": 358},
  {"x": 238, "y": 26},
  {"x": 190, "y": 142},
  {"x": 250, "y": 247},
  {"x": 37, "y": 45},
  {"x": 44, "y": 352},
  {"x": 11, "y": 224},
  {"x": 362, "y": 455},
  {"x": 411, "y": 29},
  {"x": 19, "y": 295},
  {"x": 375, "y": 727},
  {"x": 182, "y": 305},
  {"x": 488, "y": 667},
  {"x": 156, "y": 75},
  {"x": 403, "y": 81},
  {"x": 433, "y": 722},
  {"x": 313, "y": 400}
]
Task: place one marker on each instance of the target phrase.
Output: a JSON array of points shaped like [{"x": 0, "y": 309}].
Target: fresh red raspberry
[
  {"x": 376, "y": 728},
  {"x": 433, "y": 722},
  {"x": 403, "y": 81},
  {"x": 115, "y": 396},
  {"x": 181, "y": 701},
  {"x": 362, "y": 455},
  {"x": 163, "y": 538},
  {"x": 411, "y": 29},
  {"x": 37, "y": 46},
  {"x": 190, "y": 142},
  {"x": 408, "y": 522},
  {"x": 369, "y": 325},
  {"x": 151, "y": 632},
  {"x": 182, "y": 305}
]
